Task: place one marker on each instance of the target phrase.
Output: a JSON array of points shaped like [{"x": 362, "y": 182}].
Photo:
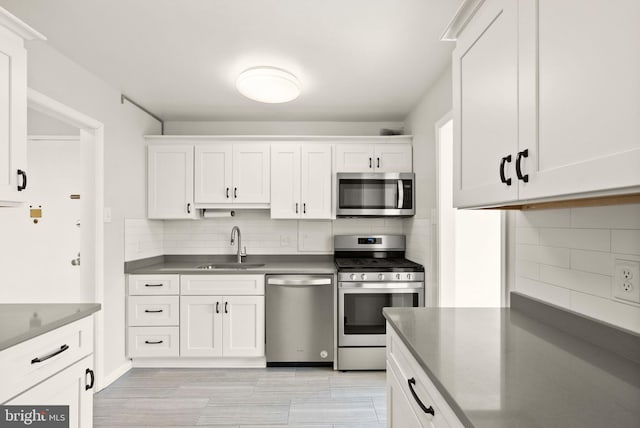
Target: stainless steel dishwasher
[{"x": 299, "y": 320}]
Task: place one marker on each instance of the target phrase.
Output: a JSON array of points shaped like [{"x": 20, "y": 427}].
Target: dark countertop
[
  {"x": 186, "y": 265},
  {"x": 23, "y": 321},
  {"x": 501, "y": 368}
]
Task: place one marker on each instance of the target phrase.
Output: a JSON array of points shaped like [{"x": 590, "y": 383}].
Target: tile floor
[{"x": 243, "y": 398}]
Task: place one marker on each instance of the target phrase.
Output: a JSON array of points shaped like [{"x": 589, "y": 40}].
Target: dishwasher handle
[{"x": 299, "y": 281}]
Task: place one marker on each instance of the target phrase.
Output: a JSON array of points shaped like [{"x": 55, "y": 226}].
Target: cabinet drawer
[
  {"x": 405, "y": 367},
  {"x": 153, "y": 310},
  {"x": 27, "y": 363},
  {"x": 153, "y": 342},
  {"x": 232, "y": 285},
  {"x": 144, "y": 285}
]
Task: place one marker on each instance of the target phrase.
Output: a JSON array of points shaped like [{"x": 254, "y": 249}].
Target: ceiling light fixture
[{"x": 268, "y": 85}]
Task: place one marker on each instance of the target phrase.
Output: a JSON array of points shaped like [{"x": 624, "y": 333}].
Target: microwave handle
[{"x": 400, "y": 194}]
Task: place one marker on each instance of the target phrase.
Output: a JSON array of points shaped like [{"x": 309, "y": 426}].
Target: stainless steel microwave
[{"x": 374, "y": 194}]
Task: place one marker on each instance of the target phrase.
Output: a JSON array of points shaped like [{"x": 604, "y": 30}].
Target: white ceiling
[{"x": 357, "y": 59}]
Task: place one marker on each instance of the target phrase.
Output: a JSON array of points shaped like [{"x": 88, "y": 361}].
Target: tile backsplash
[
  {"x": 566, "y": 257},
  {"x": 260, "y": 234}
]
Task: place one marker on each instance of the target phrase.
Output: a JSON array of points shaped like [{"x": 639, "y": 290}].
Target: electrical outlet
[{"x": 626, "y": 282}]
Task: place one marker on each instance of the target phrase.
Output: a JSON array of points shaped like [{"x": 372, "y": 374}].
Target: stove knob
[
  {"x": 409, "y": 276},
  {"x": 363, "y": 276},
  {"x": 353, "y": 277},
  {"x": 380, "y": 276},
  {"x": 397, "y": 276}
]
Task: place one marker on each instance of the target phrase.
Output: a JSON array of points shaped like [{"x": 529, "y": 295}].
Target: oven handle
[
  {"x": 382, "y": 285},
  {"x": 400, "y": 194}
]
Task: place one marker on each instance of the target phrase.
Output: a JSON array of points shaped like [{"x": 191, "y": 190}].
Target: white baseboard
[
  {"x": 115, "y": 374},
  {"x": 182, "y": 362}
]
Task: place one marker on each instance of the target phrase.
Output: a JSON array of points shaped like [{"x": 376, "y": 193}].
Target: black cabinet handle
[
  {"x": 304, "y": 208},
  {"x": 153, "y": 285},
  {"x": 235, "y": 193},
  {"x": 217, "y": 307},
  {"x": 503, "y": 179},
  {"x": 370, "y": 165},
  {"x": 226, "y": 310},
  {"x": 522, "y": 154},
  {"x": 149, "y": 342},
  {"x": 93, "y": 379},
  {"x": 149, "y": 311},
  {"x": 51, "y": 355},
  {"x": 377, "y": 162},
  {"x": 24, "y": 180},
  {"x": 189, "y": 208},
  {"x": 424, "y": 408},
  {"x": 227, "y": 192},
  {"x": 297, "y": 207}
]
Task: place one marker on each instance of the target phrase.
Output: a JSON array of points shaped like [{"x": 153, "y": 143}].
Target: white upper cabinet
[
  {"x": 301, "y": 181},
  {"x": 545, "y": 100},
  {"x": 231, "y": 174},
  {"x": 170, "y": 182},
  {"x": 379, "y": 157},
  {"x": 13, "y": 108}
]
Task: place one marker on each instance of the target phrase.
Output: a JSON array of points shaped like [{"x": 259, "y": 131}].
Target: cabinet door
[
  {"x": 585, "y": 79},
  {"x": 170, "y": 182},
  {"x": 285, "y": 181},
  {"x": 354, "y": 158},
  {"x": 243, "y": 326},
  {"x": 393, "y": 158},
  {"x": 66, "y": 388},
  {"x": 13, "y": 118},
  {"x": 399, "y": 412},
  {"x": 213, "y": 176},
  {"x": 316, "y": 181},
  {"x": 201, "y": 326},
  {"x": 485, "y": 106},
  {"x": 251, "y": 173}
]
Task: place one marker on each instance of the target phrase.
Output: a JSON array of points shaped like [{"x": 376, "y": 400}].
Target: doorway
[{"x": 470, "y": 242}]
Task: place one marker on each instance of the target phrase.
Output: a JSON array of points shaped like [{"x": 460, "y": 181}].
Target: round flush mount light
[{"x": 268, "y": 85}]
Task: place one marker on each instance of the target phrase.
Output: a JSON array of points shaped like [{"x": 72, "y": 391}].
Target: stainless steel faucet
[{"x": 241, "y": 253}]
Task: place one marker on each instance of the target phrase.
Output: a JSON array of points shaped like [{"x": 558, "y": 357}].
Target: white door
[
  {"x": 201, "y": 326},
  {"x": 67, "y": 388},
  {"x": 251, "y": 173},
  {"x": 243, "y": 326},
  {"x": 393, "y": 158},
  {"x": 285, "y": 181},
  {"x": 399, "y": 411},
  {"x": 170, "y": 182},
  {"x": 316, "y": 181},
  {"x": 588, "y": 96},
  {"x": 354, "y": 158},
  {"x": 213, "y": 173},
  {"x": 13, "y": 118},
  {"x": 485, "y": 106}
]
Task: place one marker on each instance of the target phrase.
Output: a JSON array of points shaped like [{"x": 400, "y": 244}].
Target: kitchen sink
[{"x": 212, "y": 266}]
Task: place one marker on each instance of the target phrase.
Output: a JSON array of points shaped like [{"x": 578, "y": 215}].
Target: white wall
[
  {"x": 277, "y": 128},
  {"x": 566, "y": 257},
  {"x": 420, "y": 232},
  {"x": 58, "y": 77}
]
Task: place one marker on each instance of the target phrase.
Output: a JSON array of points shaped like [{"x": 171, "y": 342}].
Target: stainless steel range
[{"x": 372, "y": 274}]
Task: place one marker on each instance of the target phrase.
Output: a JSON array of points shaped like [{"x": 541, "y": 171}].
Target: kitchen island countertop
[
  {"x": 20, "y": 322},
  {"x": 501, "y": 368}
]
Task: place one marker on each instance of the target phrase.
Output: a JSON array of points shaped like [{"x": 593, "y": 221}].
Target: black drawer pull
[
  {"x": 227, "y": 193},
  {"x": 153, "y": 285},
  {"x": 153, "y": 311},
  {"x": 522, "y": 154},
  {"x": 370, "y": 165},
  {"x": 93, "y": 379},
  {"x": 217, "y": 307},
  {"x": 24, "y": 180},
  {"x": 148, "y": 342},
  {"x": 53, "y": 354},
  {"x": 226, "y": 304},
  {"x": 189, "y": 208},
  {"x": 424, "y": 408},
  {"x": 503, "y": 179}
]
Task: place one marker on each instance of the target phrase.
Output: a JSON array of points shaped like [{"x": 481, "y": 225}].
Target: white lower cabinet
[
  {"x": 412, "y": 399},
  {"x": 71, "y": 387},
  {"x": 222, "y": 326}
]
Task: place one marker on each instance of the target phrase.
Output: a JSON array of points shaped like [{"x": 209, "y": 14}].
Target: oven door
[
  {"x": 375, "y": 194},
  {"x": 360, "y": 319}
]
